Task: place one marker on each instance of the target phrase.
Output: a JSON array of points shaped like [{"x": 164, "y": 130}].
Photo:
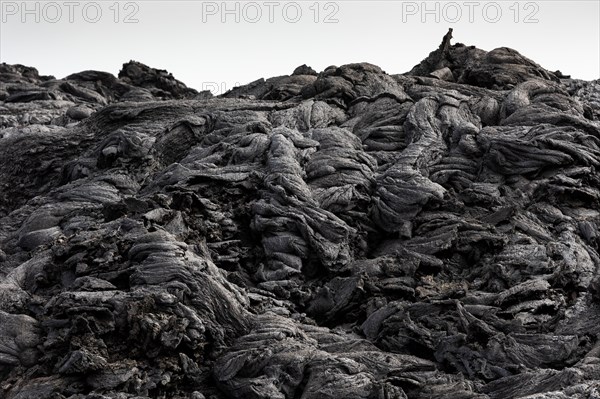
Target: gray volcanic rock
[
  {"x": 342, "y": 234},
  {"x": 501, "y": 68},
  {"x": 160, "y": 82}
]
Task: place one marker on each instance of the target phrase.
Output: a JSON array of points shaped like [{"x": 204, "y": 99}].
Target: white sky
[{"x": 190, "y": 39}]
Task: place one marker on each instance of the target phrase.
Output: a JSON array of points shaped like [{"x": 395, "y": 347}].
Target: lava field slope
[{"x": 343, "y": 234}]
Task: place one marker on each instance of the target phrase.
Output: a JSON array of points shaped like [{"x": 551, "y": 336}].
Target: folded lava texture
[{"x": 342, "y": 234}]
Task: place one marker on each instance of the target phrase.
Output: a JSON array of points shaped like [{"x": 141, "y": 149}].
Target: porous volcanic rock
[{"x": 342, "y": 234}]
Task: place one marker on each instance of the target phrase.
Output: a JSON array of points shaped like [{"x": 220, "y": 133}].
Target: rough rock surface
[{"x": 343, "y": 234}]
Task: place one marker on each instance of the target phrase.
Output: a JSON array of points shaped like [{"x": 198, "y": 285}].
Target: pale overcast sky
[{"x": 216, "y": 45}]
